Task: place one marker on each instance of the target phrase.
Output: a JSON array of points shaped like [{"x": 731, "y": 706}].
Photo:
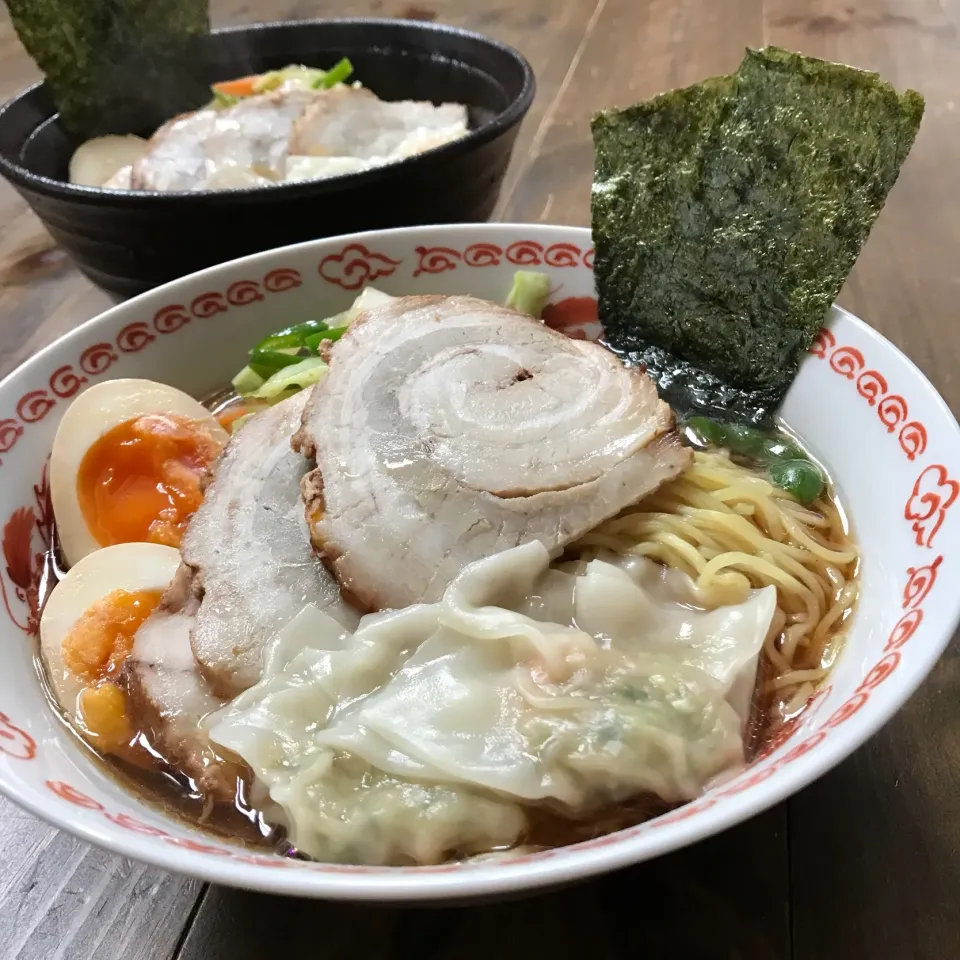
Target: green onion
[
  {"x": 283, "y": 349},
  {"x": 800, "y": 478},
  {"x": 787, "y": 465},
  {"x": 268, "y": 81},
  {"x": 308, "y": 76},
  {"x": 284, "y": 340},
  {"x": 336, "y": 74},
  {"x": 247, "y": 380},
  {"x": 745, "y": 440},
  {"x": 779, "y": 447}
]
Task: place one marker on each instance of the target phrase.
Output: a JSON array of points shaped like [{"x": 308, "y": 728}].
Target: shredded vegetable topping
[{"x": 289, "y": 360}]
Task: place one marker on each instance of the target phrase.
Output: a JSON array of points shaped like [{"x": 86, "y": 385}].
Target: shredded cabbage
[
  {"x": 529, "y": 292},
  {"x": 369, "y": 297},
  {"x": 307, "y": 77},
  {"x": 246, "y": 381},
  {"x": 290, "y": 379}
]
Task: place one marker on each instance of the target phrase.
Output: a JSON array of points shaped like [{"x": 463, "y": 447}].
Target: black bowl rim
[{"x": 503, "y": 121}]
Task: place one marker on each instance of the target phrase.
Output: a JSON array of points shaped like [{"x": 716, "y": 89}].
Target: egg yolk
[
  {"x": 141, "y": 481},
  {"x": 103, "y": 711},
  {"x": 95, "y": 650},
  {"x": 101, "y": 640}
]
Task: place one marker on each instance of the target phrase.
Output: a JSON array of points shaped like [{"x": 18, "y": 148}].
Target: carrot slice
[
  {"x": 228, "y": 417},
  {"x": 241, "y": 87}
]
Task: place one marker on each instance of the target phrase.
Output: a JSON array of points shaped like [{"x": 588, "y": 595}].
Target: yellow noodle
[
  {"x": 795, "y": 677},
  {"x": 800, "y": 535},
  {"x": 797, "y": 701},
  {"x": 731, "y": 530},
  {"x": 824, "y": 627},
  {"x": 792, "y": 638}
]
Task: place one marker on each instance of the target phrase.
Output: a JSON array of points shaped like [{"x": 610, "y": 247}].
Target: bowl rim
[
  {"x": 405, "y": 884},
  {"x": 511, "y": 116}
]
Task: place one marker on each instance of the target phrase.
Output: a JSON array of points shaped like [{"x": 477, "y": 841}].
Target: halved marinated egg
[
  {"x": 87, "y": 630},
  {"x": 127, "y": 465}
]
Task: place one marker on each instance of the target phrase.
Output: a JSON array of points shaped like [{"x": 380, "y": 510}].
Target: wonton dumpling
[
  {"x": 343, "y": 810},
  {"x": 340, "y": 809},
  {"x": 515, "y": 705},
  {"x": 477, "y": 693}
]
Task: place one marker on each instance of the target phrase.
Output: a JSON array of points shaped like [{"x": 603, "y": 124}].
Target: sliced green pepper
[
  {"x": 313, "y": 342},
  {"x": 800, "y": 478},
  {"x": 747, "y": 441},
  {"x": 779, "y": 447},
  {"x": 290, "y": 336},
  {"x": 268, "y": 362},
  {"x": 706, "y": 430}
]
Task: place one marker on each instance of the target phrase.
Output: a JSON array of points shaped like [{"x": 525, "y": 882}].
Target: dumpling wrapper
[{"x": 578, "y": 687}]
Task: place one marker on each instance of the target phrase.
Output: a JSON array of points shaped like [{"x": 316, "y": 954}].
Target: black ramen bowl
[{"x": 130, "y": 241}]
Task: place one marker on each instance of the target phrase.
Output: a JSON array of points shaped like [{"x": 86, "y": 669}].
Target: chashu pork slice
[
  {"x": 244, "y": 145},
  {"x": 348, "y": 121},
  {"x": 169, "y": 697},
  {"x": 248, "y": 568},
  {"x": 250, "y": 554},
  {"x": 450, "y": 429}
]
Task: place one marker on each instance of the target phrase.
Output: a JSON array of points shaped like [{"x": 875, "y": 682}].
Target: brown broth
[
  {"x": 162, "y": 786},
  {"x": 153, "y": 779}
]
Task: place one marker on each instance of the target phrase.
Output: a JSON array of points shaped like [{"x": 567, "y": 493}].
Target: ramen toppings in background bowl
[
  {"x": 298, "y": 123},
  {"x": 144, "y": 175}
]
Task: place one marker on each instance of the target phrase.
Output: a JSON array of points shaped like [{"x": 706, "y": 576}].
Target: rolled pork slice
[
  {"x": 348, "y": 121},
  {"x": 240, "y": 146},
  {"x": 449, "y": 429},
  {"x": 169, "y": 697},
  {"x": 248, "y": 549}
]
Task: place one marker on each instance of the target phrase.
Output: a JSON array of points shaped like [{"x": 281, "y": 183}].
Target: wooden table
[{"x": 863, "y": 864}]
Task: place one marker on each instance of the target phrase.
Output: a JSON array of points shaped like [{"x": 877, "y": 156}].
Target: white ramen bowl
[{"x": 889, "y": 441}]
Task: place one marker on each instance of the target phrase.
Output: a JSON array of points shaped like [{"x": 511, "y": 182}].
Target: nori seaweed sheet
[
  {"x": 116, "y": 66},
  {"x": 727, "y": 215}
]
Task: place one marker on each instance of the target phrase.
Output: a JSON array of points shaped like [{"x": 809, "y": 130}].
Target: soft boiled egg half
[
  {"x": 87, "y": 630},
  {"x": 127, "y": 465}
]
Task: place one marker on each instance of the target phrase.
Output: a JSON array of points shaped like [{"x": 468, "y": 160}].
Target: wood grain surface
[
  {"x": 863, "y": 864},
  {"x": 727, "y": 897}
]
